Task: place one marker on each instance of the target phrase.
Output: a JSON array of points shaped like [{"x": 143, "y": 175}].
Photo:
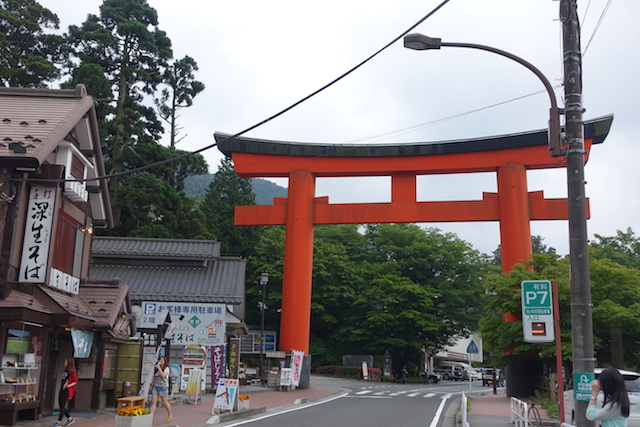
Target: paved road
[{"x": 368, "y": 405}]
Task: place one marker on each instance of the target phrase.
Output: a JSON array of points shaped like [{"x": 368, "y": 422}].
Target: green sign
[
  {"x": 536, "y": 297},
  {"x": 582, "y": 386}
]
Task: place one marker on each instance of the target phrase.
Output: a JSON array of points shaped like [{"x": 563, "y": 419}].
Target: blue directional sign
[{"x": 472, "y": 348}]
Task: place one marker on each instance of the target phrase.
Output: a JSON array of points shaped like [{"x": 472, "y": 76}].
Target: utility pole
[{"x": 581, "y": 320}]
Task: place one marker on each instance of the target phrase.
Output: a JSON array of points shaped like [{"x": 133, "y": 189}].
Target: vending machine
[{"x": 194, "y": 357}]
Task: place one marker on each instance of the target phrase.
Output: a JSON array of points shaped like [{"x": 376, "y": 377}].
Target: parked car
[
  {"x": 487, "y": 376},
  {"x": 631, "y": 380},
  {"x": 432, "y": 378}
]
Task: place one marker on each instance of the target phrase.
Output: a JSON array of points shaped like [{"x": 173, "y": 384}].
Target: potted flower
[
  {"x": 243, "y": 401},
  {"x": 134, "y": 416}
]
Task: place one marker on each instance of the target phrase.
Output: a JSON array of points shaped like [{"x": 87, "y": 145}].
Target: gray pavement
[{"x": 485, "y": 410}]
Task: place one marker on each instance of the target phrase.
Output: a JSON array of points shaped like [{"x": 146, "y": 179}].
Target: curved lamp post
[{"x": 418, "y": 41}]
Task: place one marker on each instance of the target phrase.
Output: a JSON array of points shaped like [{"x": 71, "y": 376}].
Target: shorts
[{"x": 160, "y": 391}]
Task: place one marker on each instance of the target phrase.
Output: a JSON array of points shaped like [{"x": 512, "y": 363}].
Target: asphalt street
[{"x": 370, "y": 404}]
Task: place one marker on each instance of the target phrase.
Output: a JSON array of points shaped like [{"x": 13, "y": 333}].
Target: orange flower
[
  {"x": 244, "y": 397},
  {"x": 133, "y": 411}
]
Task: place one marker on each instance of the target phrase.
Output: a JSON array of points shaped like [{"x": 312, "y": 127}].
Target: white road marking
[{"x": 438, "y": 414}]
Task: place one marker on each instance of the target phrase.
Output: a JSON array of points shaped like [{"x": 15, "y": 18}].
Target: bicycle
[{"x": 534, "y": 415}]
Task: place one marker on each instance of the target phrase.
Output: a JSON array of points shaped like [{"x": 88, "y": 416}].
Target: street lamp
[
  {"x": 418, "y": 41},
  {"x": 264, "y": 279}
]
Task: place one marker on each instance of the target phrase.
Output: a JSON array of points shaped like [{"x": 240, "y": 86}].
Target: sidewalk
[
  {"x": 494, "y": 410},
  {"x": 486, "y": 409},
  {"x": 197, "y": 415}
]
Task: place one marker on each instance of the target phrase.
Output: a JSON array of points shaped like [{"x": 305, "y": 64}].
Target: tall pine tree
[
  {"x": 226, "y": 191},
  {"x": 28, "y": 55}
]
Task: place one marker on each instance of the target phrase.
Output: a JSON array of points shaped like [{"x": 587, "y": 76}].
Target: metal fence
[{"x": 519, "y": 413}]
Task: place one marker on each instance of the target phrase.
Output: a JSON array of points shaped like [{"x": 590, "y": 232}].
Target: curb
[{"x": 248, "y": 413}]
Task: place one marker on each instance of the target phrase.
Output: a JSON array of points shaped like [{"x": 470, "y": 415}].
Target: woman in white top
[
  {"x": 614, "y": 409},
  {"x": 161, "y": 387}
]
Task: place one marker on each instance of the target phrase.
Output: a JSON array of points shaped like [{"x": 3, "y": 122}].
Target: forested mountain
[{"x": 264, "y": 190}]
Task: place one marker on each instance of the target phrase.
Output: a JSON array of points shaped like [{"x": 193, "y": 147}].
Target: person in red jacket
[{"x": 67, "y": 391}]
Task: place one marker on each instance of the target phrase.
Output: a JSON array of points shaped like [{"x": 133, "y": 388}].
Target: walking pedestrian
[
  {"x": 67, "y": 391},
  {"x": 613, "y": 409},
  {"x": 404, "y": 372},
  {"x": 161, "y": 387}
]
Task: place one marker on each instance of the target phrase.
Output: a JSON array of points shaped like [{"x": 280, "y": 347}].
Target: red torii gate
[{"x": 510, "y": 156}]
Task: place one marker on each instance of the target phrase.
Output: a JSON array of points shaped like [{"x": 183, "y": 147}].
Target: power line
[{"x": 250, "y": 128}]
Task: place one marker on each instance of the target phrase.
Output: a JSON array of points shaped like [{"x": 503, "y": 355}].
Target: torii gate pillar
[{"x": 298, "y": 263}]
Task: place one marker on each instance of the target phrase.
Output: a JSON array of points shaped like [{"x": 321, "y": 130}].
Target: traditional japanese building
[
  {"x": 185, "y": 283},
  {"x": 51, "y": 200}
]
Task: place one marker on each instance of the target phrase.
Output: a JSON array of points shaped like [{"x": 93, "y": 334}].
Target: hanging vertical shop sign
[
  {"x": 296, "y": 366},
  {"x": 37, "y": 236},
  {"x": 234, "y": 357},
  {"x": 82, "y": 342},
  {"x": 217, "y": 363}
]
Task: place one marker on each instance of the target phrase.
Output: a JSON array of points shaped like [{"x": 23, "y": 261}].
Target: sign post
[{"x": 537, "y": 311}]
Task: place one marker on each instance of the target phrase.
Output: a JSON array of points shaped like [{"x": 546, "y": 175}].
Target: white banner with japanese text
[
  {"x": 296, "y": 366},
  {"x": 37, "y": 235},
  {"x": 195, "y": 323}
]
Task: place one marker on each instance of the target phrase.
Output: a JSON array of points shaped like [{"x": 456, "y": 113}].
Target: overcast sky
[{"x": 257, "y": 57}]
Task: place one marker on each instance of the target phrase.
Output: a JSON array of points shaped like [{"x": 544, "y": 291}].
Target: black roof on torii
[{"x": 597, "y": 129}]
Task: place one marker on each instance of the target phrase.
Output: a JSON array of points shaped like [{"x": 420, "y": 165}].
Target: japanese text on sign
[
  {"x": 202, "y": 324},
  {"x": 37, "y": 236},
  {"x": 296, "y": 367}
]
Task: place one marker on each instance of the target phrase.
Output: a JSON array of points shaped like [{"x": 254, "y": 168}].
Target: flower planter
[
  {"x": 243, "y": 404},
  {"x": 137, "y": 421}
]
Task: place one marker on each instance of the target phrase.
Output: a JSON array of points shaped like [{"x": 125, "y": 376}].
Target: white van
[{"x": 447, "y": 366}]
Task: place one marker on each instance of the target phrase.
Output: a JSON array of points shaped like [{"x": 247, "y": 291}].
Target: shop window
[{"x": 67, "y": 254}]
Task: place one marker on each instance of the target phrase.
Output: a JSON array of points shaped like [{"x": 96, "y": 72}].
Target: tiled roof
[
  {"x": 70, "y": 303},
  {"x": 154, "y": 248},
  {"x": 17, "y": 299},
  {"x": 34, "y": 121},
  {"x": 105, "y": 298},
  {"x": 219, "y": 281}
]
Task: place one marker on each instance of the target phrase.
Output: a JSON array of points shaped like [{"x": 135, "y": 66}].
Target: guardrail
[{"x": 519, "y": 413}]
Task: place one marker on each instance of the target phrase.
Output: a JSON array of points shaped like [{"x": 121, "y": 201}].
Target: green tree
[
  {"x": 181, "y": 88},
  {"x": 537, "y": 247},
  {"x": 616, "y": 304},
  {"x": 132, "y": 52},
  {"x": 173, "y": 172},
  {"x": 623, "y": 248},
  {"x": 441, "y": 262},
  {"x": 29, "y": 57},
  {"x": 616, "y": 312},
  {"x": 152, "y": 208},
  {"x": 395, "y": 314},
  {"x": 226, "y": 191}
]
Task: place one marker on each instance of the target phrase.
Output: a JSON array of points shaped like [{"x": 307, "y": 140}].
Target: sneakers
[
  {"x": 169, "y": 419},
  {"x": 56, "y": 424},
  {"x": 69, "y": 422}
]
